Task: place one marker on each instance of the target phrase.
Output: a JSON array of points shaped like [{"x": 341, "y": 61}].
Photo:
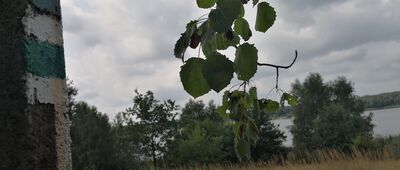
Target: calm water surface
[{"x": 386, "y": 121}]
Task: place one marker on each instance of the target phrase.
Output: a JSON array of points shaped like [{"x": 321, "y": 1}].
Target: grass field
[{"x": 323, "y": 160}]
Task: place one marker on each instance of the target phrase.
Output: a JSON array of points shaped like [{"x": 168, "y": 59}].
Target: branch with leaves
[{"x": 223, "y": 27}]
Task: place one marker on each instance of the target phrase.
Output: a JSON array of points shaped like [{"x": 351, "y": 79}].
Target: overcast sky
[{"x": 113, "y": 47}]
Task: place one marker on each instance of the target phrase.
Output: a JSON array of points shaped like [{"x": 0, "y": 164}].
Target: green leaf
[
  {"x": 253, "y": 93},
  {"x": 180, "y": 47},
  {"x": 222, "y": 112},
  {"x": 272, "y": 106},
  {"x": 218, "y": 71},
  {"x": 184, "y": 41},
  {"x": 252, "y": 131},
  {"x": 242, "y": 12},
  {"x": 266, "y": 16},
  {"x": 255, "y": 2},
  {"x": 242, "y": 148},
  {"x": 192, "y": 77},
  {"x": 221, "y": 18},
  {"x": 223, "y": 42},
  {"x": 209, "y": 44},
  {"x": 246, "y": 61},
  {"x": 225, "y": 98},
  {"x": 289, "y": 98},
  {"x": 242, "y": 28},
  {"x": 191, "y": 28},
  {"x": 205, "y": 3},
  {"x": 249, "y": 101}
]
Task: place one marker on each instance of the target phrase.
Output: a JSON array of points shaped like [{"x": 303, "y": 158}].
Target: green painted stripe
[
  {"x": 52, "y": 6},
  {"x": 44, "y": 59}
]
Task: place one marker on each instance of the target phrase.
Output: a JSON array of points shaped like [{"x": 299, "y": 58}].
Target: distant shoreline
[{"x": 382, "y": 108}]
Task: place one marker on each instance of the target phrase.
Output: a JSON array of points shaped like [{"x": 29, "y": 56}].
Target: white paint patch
[
  {"x": 45, "y": 90},
  {"x": 45, "y": 28}
]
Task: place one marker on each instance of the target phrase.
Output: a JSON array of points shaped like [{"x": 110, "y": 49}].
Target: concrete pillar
[{"x": 34, "y": 129}]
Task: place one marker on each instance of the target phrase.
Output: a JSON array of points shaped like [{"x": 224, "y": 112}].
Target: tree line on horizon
[{"x": 153, "y": 133}]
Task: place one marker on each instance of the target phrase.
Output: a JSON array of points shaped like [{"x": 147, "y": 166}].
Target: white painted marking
[
  {"x": 45, "y": 28},
  {"x": 45, "y": 90}
]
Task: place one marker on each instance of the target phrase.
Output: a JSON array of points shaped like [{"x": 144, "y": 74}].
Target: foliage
[
  {"x": 381, "y": 100},
  {"x": 269, "y": 144},
  {"x": 203, "y": 137},
  {"x": 154, "y": 121},
  {"x": 328, "y": 114},
  {"x": 225, "y": 26},
  {"x": 92, "y": 139},
  {"x": 71, "y": 94}
]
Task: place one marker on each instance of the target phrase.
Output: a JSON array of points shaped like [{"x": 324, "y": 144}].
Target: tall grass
[{"x": 356, "y": 159}]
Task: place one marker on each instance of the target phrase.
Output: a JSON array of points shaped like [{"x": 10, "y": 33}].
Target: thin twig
[{"x": 278, "y": 66}]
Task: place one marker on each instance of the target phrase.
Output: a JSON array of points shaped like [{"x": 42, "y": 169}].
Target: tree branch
[{"x": 278, "y": 66}]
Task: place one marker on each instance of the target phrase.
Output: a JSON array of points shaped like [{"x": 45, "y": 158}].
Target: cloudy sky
[{"x": 113, "y": 47}]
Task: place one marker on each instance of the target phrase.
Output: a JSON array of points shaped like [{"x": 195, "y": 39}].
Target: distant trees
[
  {"x": 328, "y": 115},
  {"x": 92, "y": 139},
  {"x": 203, "y": 137},
  {"x": 155, "y": 123},
  {"x": 382, "y": 100},
  {"x": 152, "y": 133},
  {"x": 269, "y": 144}
]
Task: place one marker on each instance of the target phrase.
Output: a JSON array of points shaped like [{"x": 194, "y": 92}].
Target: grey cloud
[{"x": 114, "y": 47}]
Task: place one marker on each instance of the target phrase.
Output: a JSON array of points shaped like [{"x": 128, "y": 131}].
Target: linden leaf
[
  {"x": 221, "y": 18},
  {"x": 205, "y": 3},
  {"x": 192, "y": 77},
  {"x": 242, "y": 28},
  {"x": 246, "y": 61},
  {"x": 266, "y": 16},
  {"x": 223, "y": 42},
  {"x": 184, "y": 41},
  {"x": 180, "y": 47},
  {"x": 218, "y": 71}
]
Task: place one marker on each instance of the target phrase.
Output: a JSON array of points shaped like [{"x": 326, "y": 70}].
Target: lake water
[{"x": 386, "y": 121}]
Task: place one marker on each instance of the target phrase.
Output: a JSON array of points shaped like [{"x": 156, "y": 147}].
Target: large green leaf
[
  {"x": 218, "y": 71},
  {"x": 242, "y": 28},
  {"x": 266, "y": 16},
  {"x": 209, "y": 44},
  {"x": 272, "y": 106},
  {"x": 184, "y": 41},
  {"x": 223, "y": 42},
  {"x": 246, "y": 61},
  {"x": 180, "y": 47},
  {"x": 192, "y": 77},
  {"x": 221, "y": 18},
  {"x": 205, "y": 3}
]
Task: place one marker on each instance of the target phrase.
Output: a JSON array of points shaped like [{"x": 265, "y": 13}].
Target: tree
[
  {"x": 71, "y": 94},
  {"x": 127, "y": 144},
  {"x": 155, "y": 121},
  {"x": 328, "y": 115},
  {"x": 312, "y": 97},
  {"x": 203, "y": 137},
  {"x": 270, "y": 142},
  {"x": 92, "y": 139},
  {"x": 223, "y": 27}
]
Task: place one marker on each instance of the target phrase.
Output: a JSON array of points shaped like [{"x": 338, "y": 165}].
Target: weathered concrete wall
[{"x": 34, "y": 129}]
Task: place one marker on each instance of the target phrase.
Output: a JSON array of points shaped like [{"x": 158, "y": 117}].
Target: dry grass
[{"x": 323, "y": 160}]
